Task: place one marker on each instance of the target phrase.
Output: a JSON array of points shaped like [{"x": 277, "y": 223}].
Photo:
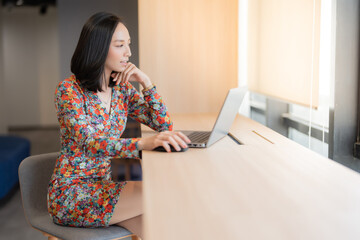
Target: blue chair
[
  {"x": 35, "y": 173},
  {"x": 12, "y": 151}
]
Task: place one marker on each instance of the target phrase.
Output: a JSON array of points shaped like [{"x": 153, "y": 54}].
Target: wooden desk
[{"x": 259, "y": 190}]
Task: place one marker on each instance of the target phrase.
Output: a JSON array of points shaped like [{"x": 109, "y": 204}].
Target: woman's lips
[{"x": 123, "y": 63}]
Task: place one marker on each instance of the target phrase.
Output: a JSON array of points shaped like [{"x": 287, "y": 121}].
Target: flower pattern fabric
[{"x": 81, "y": 192}]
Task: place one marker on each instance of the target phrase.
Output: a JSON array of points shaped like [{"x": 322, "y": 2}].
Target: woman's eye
[{"x": 120, "y": 46}]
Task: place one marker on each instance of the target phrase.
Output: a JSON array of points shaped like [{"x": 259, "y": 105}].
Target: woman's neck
[{"x": 105, "y": 83}]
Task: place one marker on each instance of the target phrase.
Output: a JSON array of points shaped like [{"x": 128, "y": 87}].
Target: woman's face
[{"x": 119, "y": 50}]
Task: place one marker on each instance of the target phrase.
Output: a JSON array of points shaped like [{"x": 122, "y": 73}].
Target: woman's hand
[
  {"x": 165, "y": 139},
  {"x": 132, "y": 73}
]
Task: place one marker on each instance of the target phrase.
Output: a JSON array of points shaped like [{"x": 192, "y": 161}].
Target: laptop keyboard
[{"x": 199, "y": 137}]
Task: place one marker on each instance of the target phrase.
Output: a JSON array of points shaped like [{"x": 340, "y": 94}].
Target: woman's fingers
[
  {"x": 183, "y": 137},
  {"x": 117, "y": 78},
  {"x": 180, "y": 141},
  {"x": 163, "y": 143},
  {"x": 166, "y": 146},
  {"x": 132, "y": 73},
  {"x": 125, "y": 73},
  {"x": 176, "y": 139},
  {"x": 166, "y": 139},
  {"x": 129, "y": 73},
  {"x": 174, "y": 143}
]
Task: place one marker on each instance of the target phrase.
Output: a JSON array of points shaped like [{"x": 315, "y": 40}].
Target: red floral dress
[{"x": 81, "y": 192}]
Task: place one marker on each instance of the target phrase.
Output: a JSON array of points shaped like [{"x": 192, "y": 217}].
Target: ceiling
[
  {"x": 35, "y": 3},
  {"x": 41, "y": 4}
]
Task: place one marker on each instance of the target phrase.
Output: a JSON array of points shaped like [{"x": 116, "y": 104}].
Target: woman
[{"x": 92, "y": 107}]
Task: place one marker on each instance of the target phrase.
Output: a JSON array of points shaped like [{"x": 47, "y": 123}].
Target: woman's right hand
[{"x": 165, "y": 139}]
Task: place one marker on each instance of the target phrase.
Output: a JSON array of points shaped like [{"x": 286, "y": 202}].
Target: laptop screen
[{"x": 227, "y": 114}]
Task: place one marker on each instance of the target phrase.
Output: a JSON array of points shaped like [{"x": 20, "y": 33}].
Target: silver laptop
[{"x": 232, "y": 103}]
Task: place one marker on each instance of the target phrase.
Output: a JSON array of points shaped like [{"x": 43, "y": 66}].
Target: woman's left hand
[{"x": 133, "y": 74}]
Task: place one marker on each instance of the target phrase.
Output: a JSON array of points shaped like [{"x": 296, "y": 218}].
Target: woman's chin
[
  {"x": 121, "y": 68},
  {"x": 118, "y": 70}
]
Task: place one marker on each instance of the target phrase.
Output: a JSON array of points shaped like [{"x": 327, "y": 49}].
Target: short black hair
[{"x": 91, "y": 52}]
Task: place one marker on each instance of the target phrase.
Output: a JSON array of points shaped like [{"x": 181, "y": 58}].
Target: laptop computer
[{"x": 232, "y": 103}]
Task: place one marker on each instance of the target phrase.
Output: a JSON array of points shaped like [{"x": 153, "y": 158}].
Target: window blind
[{"x": 283, "y": 49}]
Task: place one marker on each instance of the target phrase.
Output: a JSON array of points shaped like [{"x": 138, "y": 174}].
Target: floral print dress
[{"x": 81, "y": 192}]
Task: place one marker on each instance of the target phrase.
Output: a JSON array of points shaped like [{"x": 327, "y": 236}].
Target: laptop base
[{"x": 198, "y": 138}]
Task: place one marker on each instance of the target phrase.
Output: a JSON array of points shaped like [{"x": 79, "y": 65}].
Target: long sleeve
[
  {"x": 70, "y": 110},
  {"x": 149, "y": 110}
]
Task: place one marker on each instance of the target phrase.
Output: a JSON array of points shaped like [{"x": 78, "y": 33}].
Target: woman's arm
[
  {"x": 149, "y": 110},
  {"x": 70, "y": 110}
]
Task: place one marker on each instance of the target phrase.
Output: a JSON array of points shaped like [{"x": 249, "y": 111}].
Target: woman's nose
[{"x": 128, "y": 52}]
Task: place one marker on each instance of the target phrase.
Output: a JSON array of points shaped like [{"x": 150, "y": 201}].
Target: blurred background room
[{"x": 298, "y": 58}]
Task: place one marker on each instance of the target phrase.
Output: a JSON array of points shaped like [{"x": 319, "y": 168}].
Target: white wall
[
  {"x": 31, "y": 65},
  {"x": 3, "y": 115}
]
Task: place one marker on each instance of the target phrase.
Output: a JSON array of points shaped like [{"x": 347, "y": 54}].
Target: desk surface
[{"x": 268, "y": 188}]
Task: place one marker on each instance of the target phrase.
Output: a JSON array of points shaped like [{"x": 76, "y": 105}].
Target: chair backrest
[{"x": 34, "y": 176}]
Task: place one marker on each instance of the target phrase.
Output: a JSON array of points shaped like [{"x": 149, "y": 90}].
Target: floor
[{"x": 13, "y": 224}]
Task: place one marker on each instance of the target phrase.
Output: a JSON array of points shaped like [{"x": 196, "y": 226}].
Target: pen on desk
[{"x": 262, "y": 136}]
